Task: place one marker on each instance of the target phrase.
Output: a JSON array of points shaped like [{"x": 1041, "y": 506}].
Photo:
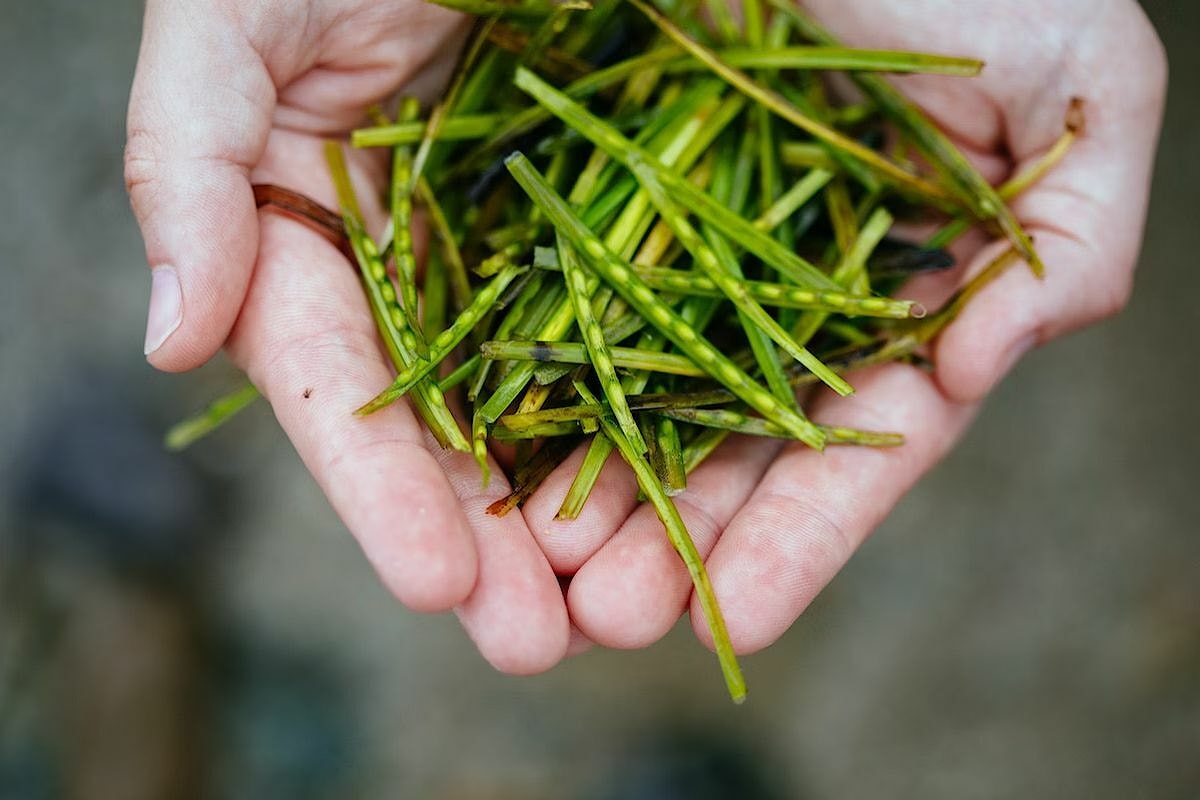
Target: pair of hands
[{"x": 228, "y": 93}]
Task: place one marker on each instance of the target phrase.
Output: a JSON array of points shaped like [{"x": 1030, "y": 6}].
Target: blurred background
[{"x": 1027, "y": 623}]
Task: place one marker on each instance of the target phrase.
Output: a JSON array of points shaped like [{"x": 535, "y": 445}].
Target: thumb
[{"x": 199, "y": 115}]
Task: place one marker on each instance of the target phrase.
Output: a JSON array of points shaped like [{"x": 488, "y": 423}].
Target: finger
[
  {"x": 307, "y": 340},
  {"x": 1086, "y": 217},
  {"x": 632, "y": 591},
  {"x": 516, "y": 615},
  {"x": 423, "y": 523},
  {"x": 199, "y": 114},
  {"x": 568, "y": 543},
  {"x": 812, "y": 510}
]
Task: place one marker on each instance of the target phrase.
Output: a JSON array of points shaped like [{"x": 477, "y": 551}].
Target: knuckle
[
  {"x": 336, "y": 342},
  {"x": 142, "y": 165},
  {"x": 366, "y": 453}
]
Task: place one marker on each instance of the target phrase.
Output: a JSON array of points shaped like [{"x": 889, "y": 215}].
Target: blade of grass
[
  {"x": 670, "y": 469},
  {"x": 698, "y": 202},
  {"x": 453, "y": 129},
  {"x": 1072, "y": 127},
  {"x": 722, "y": 269},
  {"x": 635, "y": 292},
  {"x": 597, "y": 348},
  {"x": 780, "y": 106},
  {"x": 576, "y": 353},
  {"x": 435, "y": 296},
  {"x": 969, "y": 185},
  {"x": 381, "y": 296},
  {"x": 461, "y": 373},
  {"x": 736, "y": 422},
  {"x": 685, "y": 547},
  {"x": 852, "y": 266},
  {"x": 790, "y": 201},
  {"x": 183, "y": 434},
  {"x": 444, "y": 343},
  {"x": 402, "y": 245},
  {"x": 442, "y": 109},
  {"x": 456, "y": 269}
]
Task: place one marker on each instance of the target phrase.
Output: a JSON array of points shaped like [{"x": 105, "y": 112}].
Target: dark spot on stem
[{"x": 1076, "y": 120}]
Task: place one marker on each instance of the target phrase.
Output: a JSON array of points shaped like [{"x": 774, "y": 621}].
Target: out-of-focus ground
[{"x": 1027, "y": 623}]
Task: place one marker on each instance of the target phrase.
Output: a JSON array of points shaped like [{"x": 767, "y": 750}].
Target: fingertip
[
  {"x": 530, "y": 641},
  {"x": 431, "y": 580},
  {"x": 526, "y": 662},
  {"x": 991, "y": 333},
  {"x": 746, "y": 637},
  {"x": 568, "y": 543},
  {"x": 617, "y": 598},
  {"x": 201, "y": 247},
  {"x": 410, "y": 528},
  {"x": 515, "y": 615},
  {"x": 969, "y": 368}
]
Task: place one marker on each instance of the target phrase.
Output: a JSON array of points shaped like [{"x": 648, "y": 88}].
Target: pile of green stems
[{"x": 654, "y": 228}]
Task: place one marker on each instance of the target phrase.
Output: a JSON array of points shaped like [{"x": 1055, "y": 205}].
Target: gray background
[{"x": 1027, "y": 623}]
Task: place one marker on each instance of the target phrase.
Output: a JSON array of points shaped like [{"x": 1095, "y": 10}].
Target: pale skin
[{"x": 227, "y": 94}]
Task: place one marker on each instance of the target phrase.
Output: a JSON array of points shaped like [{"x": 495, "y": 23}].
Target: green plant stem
[
  {"x": 454, "y": 129},
  {"x": 683, "y": 191},
  {"x": 456, "y": 269},
  {"x": 402, "y": 245},
  {"x": 783, "y": 295},
  {"x": 624, "y": 280},
  {"x": 442, "y": 109},
  {"x": 597, "y": 349},
  {"x": 736, "y": 422},
  {"x": 850, "y": 269},
  {"x": 576, "y": 353},
  {"x": 183, "y": 434},
  {"x": 969, "y": 185},
  {"x": 444, "y": 343},
  {"x": 1016, "y": 185},
  {"x": 780, "y": 106},
  {"x": 381, "y": 296},
  {"x": 682, "y": 542},
  {"x": 519, "y": 9},
  {"x": 725, "y": 274}
]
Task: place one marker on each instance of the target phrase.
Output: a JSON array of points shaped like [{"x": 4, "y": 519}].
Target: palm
[
  {"x": 306, "y": 338},
  {"x": 776, "y": 522}
]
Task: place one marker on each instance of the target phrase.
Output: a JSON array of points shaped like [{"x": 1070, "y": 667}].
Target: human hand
[
  {"x": 776, "y": 522},
  {"x": 229, "y": 93}
]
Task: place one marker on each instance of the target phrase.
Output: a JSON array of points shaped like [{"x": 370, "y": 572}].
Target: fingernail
[{"x": 166, "y": 307}]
